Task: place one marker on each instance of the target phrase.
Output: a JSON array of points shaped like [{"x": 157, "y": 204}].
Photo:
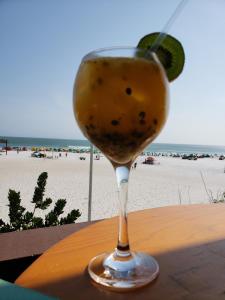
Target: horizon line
[{"x": 76, "y": 139}]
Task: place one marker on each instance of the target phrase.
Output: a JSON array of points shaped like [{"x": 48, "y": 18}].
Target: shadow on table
[{"x": 197, "y": 272}]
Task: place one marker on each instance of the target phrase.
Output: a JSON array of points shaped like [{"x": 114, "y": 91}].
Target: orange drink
[{"x": 121, "y": 104}]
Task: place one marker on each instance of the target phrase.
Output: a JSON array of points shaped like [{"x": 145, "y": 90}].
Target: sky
[{"x": 42, "y": 43}]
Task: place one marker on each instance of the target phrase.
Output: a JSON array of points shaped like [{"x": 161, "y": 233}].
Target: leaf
[
  {"x": 6, "y": 228},
  {"x": 27, "y": 217},
  {"x": 51, "y": 219},
  {"x": 37, "y": 222},
  {"x": 59, "y": 206},
  {"x": 15, "y": 209},
  {"x": 27, "y": 220},
  {"x": 71, "y": 217},
  {"x": 2, "y": 223},
  {"x": 40, "y": 190},
  {"x": 46, "y": 203}
]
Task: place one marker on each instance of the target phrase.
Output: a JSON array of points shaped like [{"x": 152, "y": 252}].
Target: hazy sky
[{"x": 42, "y": 43}]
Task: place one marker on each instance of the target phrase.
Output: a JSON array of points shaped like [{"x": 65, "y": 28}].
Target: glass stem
[{"x": 122, "y": 176}]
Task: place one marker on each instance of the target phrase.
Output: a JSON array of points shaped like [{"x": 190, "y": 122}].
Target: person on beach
[{"x": 134, "y": 165}]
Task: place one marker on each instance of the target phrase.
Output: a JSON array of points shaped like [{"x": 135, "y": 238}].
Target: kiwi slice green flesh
[{"x": 170, "y": 53}]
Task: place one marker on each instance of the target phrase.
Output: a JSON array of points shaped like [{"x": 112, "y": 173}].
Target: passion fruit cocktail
[{"x": 121, "y": 104}]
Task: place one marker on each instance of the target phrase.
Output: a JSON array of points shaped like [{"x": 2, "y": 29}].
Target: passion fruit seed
[
  {"x": 115, "y": 122},
  {"x": 155, "y": 121},
  {"x": 142, "y": 114},
  {"x": 128, "y": 91}
]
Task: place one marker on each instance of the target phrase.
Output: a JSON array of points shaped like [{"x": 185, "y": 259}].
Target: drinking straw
[{"x": 168, "y": 24}]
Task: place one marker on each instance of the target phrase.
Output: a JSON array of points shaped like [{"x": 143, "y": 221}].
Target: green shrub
[{"x": 20, "y": 219}]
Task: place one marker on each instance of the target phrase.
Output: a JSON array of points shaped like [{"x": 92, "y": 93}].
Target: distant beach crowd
[{"x": 44, "y": 151}]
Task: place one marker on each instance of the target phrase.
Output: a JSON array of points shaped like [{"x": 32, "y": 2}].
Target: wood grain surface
[{"x": 187, "y": 241}]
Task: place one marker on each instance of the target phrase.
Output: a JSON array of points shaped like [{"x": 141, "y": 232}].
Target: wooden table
[{"x": 187, "y": 241}]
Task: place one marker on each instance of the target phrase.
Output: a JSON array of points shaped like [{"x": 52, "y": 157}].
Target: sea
[{"x": 153, "y": 148}]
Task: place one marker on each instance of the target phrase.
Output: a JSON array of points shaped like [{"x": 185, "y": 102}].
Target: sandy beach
[{"x": 169, "y": 182}]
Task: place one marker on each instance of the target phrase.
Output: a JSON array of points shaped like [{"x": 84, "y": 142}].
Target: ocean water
[
  {"x": 44, "y": 142},
  {"x": 155, "y": 147}
]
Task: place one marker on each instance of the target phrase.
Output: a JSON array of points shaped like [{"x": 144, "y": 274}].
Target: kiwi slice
[{"x": 169, "y": 51}]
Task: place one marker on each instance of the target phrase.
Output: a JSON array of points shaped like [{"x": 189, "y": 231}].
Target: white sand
[{"x": 170, "y": 182}]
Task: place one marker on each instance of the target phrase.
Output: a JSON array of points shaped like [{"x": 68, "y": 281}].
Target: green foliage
[
  {"x": 73, "y": 215},
  {"x": 39, "y": 193},
  {"x": 27, "y": 220},
  {"x": 37, "y": 222},
  {"x": 21, "y": 219},
  {"x": 53, "y": 216},
  {"x": 16, "y": 211}
]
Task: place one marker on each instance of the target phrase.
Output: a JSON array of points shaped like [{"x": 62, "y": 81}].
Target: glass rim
[{"x": 94, "y": 53}]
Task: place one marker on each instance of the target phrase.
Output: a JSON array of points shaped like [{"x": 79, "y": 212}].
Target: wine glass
[{"x": 120, "y": 102}]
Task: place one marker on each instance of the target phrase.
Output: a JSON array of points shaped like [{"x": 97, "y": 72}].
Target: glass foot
[{"x": 129, "y": 271}]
